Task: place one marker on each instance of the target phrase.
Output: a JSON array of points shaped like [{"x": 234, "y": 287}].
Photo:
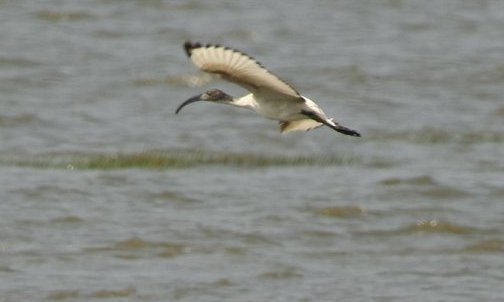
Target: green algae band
[{"x": 169, "y": 159}]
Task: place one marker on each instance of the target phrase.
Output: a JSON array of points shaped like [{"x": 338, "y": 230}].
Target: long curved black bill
[{"x": 189, "y": 101}]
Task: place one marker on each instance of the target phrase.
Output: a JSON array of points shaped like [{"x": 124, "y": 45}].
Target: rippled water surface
[{"x": 106, "y": 195}]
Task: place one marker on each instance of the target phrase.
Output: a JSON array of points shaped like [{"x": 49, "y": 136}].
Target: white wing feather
[
  {"x": 299, "y": 125},
  {"x": 241, "y": 69}
]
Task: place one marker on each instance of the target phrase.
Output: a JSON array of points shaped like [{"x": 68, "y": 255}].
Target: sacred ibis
[{"x": 270, "y": 96}]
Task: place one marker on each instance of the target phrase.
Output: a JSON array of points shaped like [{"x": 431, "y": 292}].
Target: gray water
[{"x": 106, "y": 195}]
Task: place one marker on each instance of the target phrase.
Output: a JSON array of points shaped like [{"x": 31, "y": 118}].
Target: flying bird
[{"x": 269, "y": 96}]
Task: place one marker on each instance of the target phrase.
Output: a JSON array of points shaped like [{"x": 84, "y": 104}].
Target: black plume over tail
[
  {"x": 345, "y": 130},
  {"x": 336, "y": 126}
]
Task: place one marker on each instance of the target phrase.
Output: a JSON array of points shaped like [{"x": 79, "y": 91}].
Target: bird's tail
[
  {"x": 342, "y": 129},
  {"x": 330, "y": 122}
]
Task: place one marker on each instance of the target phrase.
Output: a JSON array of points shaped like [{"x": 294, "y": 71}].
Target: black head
[{"x": 212, "y": 95}]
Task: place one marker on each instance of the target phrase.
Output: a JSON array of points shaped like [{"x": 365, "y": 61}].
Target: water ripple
[
  {"x": 100, "y": 294},
  {"x": 486, "y": 246},
  {"x": 58, "y": 16},
  {"x": 439, "y": 136}
]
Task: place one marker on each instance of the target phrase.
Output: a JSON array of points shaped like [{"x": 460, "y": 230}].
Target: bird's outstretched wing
[{"x": 241, "y": 69}]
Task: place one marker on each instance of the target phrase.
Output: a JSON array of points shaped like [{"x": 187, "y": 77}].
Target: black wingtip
[{"x": 189, "y": 46}]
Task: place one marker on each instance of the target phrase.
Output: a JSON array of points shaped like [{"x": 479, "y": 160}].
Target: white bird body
[
  {"x": 270, "y": 96},
  {"x": 283, "y": 111}
]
